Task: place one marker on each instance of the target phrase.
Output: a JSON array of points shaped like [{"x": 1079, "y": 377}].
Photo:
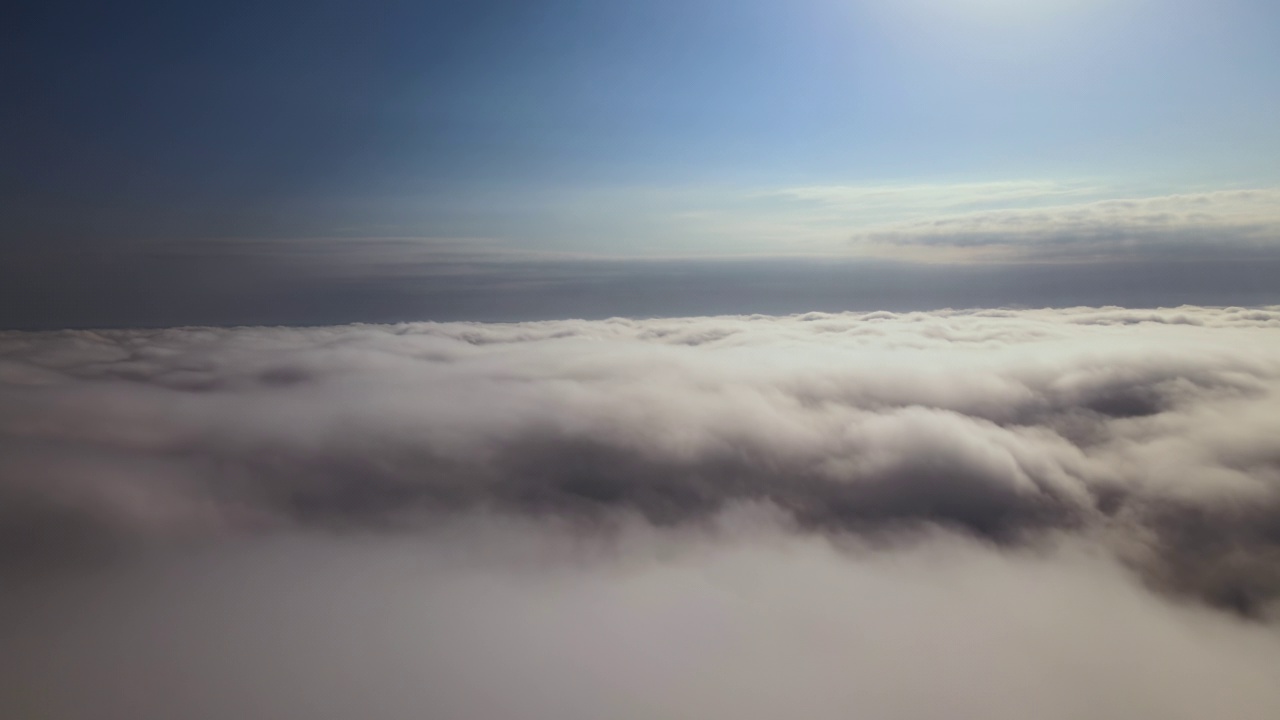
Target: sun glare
[{"x": 997, "y": 12}]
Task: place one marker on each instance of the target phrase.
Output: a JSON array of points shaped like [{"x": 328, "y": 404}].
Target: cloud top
[{"x": 1150, "y": 433}]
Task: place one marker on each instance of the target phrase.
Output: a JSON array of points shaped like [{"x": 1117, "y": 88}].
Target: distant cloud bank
[
  {"x": 1007, "y": 221},
  {"x": 1236, "y": 223},
  {"x": 681, "y": 252}
]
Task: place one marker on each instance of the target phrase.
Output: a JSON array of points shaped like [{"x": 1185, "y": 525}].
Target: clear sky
[{"x": 913, "y": 130}]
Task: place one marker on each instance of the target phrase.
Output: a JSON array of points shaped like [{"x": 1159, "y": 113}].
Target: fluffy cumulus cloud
[{"x": 1057, "y": 513}]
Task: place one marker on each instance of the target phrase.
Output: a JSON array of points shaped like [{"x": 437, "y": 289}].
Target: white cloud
[
  {"x": 499, "y": 619},
  {"x": 970, "y": 514}
]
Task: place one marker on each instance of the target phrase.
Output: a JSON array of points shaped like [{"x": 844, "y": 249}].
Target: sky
[
  {"x": 566, "y": 360},
  {"x": 324, "y": 149}
]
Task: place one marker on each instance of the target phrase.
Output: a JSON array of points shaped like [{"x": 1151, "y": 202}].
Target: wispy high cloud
[
  {"x": 929, "y": 198},
  {"x": 1024, "y": 221},
  {"x": 1239, "y": 223}
]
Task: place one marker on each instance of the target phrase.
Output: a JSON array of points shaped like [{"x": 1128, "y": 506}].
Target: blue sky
[{"x": 919, "y": 130}]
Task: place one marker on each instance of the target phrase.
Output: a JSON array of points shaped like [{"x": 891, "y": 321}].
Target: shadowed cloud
[{"x": 999, "y": 424}]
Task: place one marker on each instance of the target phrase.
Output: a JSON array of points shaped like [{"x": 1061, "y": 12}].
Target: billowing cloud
[
  {"x": 664, "y": 516},
  {"x": 997, "y": 424}
]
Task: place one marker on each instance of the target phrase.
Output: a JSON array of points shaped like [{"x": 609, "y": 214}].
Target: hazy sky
[{"x": 944, "y": 131}]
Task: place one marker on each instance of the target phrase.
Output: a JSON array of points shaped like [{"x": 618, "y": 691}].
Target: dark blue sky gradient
[{"x": 534, "y": 125}]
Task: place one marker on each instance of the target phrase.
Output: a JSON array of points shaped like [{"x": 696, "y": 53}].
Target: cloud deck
[{"x": 1151, "y": 432}]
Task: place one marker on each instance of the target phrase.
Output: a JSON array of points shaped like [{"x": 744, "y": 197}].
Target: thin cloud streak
[{"x": 1239, "y": 223}]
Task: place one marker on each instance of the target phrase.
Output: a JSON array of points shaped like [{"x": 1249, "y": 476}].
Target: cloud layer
[
  {"x": 982, "y": 514},
  {"x": 1149, "y": 431},
  {"x": 744, "y": 620}
]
